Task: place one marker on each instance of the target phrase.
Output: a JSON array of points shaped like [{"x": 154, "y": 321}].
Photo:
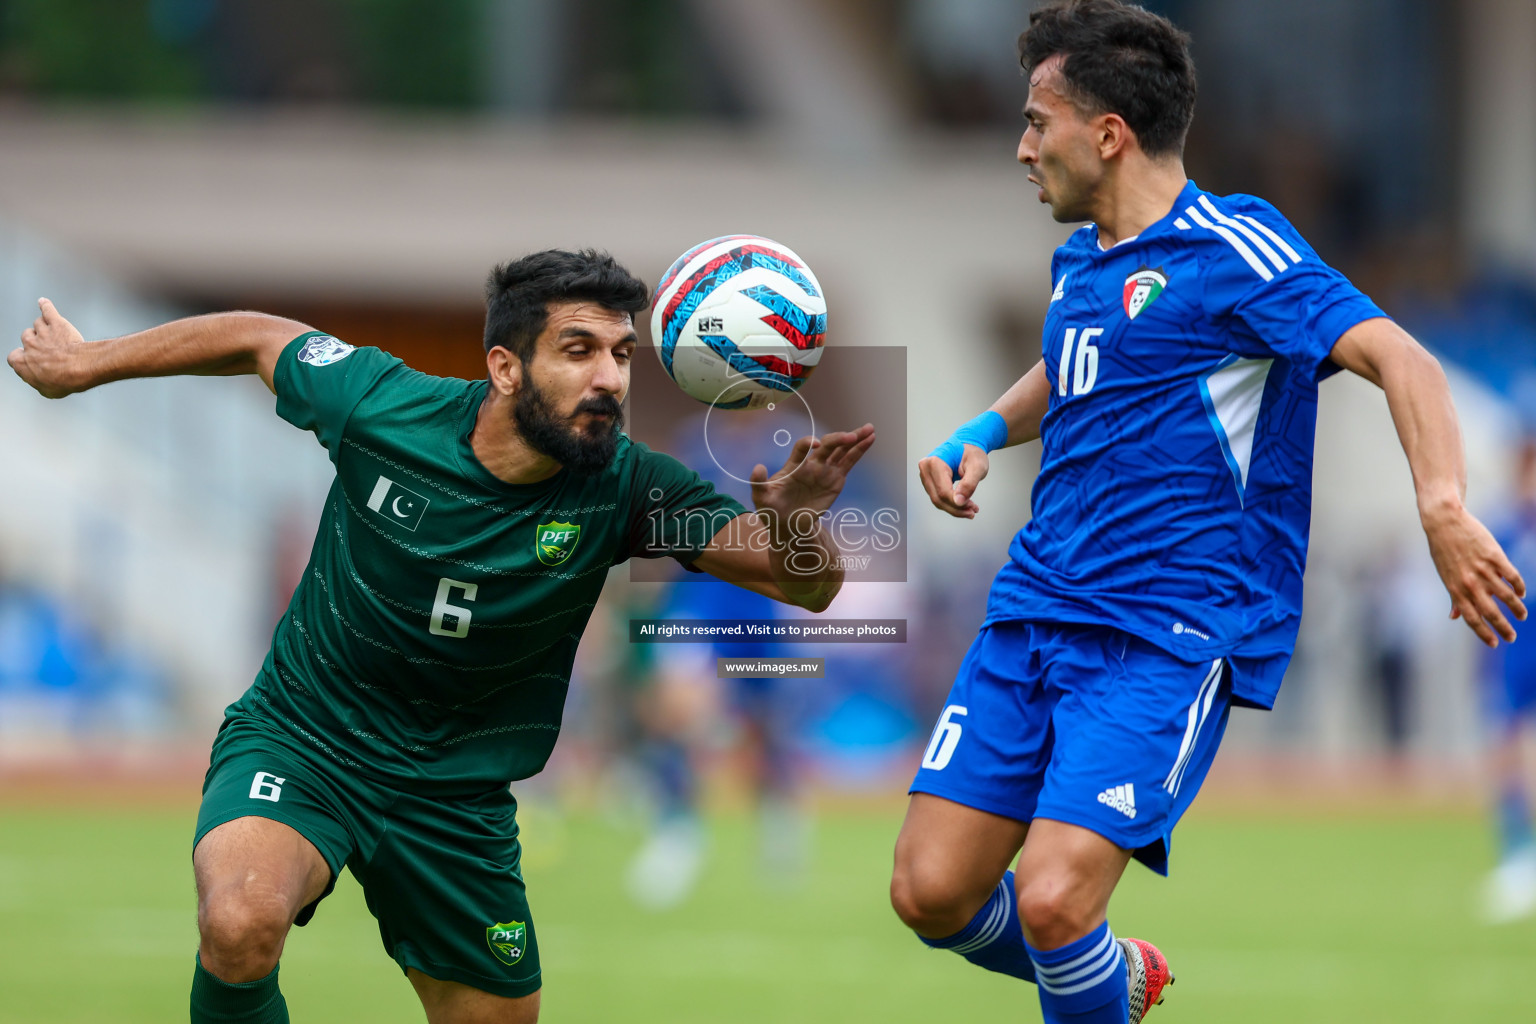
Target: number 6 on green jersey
[{"x": 441, "y": 608}]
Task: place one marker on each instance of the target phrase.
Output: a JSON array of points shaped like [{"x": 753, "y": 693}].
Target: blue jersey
[
  {"x": 716, "y": 599},
  {"x": 1512, "y": 667},
  {"x": 1175, "y": 486}
]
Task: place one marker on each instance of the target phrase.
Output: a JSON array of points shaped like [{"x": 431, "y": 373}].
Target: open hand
[
  {"x": 49, "y": 356},
  {"x": 947, "y": 493},
  {"x": 1475, "y": 571},
  {"x": 813, "y": 475}
]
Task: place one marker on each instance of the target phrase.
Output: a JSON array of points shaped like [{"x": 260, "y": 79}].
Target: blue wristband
[{"x": 989, "y": 431}]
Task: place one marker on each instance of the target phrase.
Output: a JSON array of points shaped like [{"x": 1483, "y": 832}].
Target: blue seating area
[
  {"x": 61, "y": 677},
  {"x": 1489, "y": 328}
]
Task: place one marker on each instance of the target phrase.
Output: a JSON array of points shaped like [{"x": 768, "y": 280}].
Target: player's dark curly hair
[
  {"x": 518, "y": 294},
  {"x": 1120, "y": 59}
]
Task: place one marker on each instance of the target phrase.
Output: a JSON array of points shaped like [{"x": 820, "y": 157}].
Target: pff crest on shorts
[{"x": 507, "y": 941}]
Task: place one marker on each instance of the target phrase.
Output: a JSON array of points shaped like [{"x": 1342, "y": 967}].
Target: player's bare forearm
[
  {"x": 1024, "y": 405},
  {"x": 805, "y": 563},
  {"x": 1420, "y": 400},
  {"x": 1476, "y": 572},
  {"x": 55, "y": 358},
  {"x": 788, "y": 555},
  {"x": 794, "y": 561}
]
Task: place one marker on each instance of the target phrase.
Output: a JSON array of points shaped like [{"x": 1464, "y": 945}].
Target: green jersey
[{"x": 430, "y": 642}]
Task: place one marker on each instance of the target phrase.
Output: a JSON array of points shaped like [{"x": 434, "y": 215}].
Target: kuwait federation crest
[
  {"x": 1142, "y": 289},
  {"x": 508, "y": 941},
  {"x": 554, "y": 542}
]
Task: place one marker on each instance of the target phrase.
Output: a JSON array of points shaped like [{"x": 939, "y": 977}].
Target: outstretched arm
[
  {"x": 1473, "y": 567},
  {"x": 1024, "y": 405},
  {"x": 1021, "y": 408},
  {"x": 56, "y": 360},
  {"x": 782, "y": 550}
]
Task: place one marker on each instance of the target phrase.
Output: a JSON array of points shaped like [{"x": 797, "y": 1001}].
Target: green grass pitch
[{"x": 1277, "y": 917}]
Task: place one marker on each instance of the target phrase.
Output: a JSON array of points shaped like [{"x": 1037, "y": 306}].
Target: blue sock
[
  {"x": 993, "y": 939},
  {"x": 1514, "y": 818},
  {"x": 1083, "y": 982}
]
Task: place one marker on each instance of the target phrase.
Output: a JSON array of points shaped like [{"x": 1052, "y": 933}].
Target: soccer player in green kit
[{"x": 423, "y": 662}]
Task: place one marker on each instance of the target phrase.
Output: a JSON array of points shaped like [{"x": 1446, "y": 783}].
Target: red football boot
[{"x": 1147, "y": 974}]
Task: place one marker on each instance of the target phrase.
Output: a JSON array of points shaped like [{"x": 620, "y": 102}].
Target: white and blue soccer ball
[{"x": 739, "y": 322}]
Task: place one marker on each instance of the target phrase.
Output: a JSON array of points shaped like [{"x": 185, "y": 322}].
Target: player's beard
[{"x": 549, "y": 433}]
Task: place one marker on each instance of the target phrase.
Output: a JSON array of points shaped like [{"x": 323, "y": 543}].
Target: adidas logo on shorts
[{"x": 1121, "y": 798}]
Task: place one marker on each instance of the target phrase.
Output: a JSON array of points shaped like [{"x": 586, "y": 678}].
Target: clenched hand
[{"x": 48, "y": 359}]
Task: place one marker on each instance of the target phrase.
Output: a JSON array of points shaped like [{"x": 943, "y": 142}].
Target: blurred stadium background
[{"x": 359, "y": 164}]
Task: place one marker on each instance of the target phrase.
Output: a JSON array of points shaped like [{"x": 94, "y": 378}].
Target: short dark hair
[
  {"x": 518, "y": 294},
  {"x": 1119, "y": 59}
]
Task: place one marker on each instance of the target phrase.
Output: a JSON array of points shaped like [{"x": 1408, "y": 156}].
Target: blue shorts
[{"x": 1082, "y": 724}]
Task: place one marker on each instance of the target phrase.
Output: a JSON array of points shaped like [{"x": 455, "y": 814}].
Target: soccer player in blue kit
[
  {"x": 1158, "y": 582},
  {"x": 1509, "y": 682}
]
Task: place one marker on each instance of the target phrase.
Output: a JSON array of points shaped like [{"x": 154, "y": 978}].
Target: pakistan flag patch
[
  {"x": 1142, "y": 289},
  {"x": 508, "y": 941},
  {"x": 554, "y": 542}
]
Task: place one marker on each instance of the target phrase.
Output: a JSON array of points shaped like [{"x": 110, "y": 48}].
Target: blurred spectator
[{"x": 1389, "y": 642}]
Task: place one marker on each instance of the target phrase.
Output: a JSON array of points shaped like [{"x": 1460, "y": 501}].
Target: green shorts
[{"x": 441, "y": 876}]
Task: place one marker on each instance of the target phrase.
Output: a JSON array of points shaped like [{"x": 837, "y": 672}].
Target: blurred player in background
[
  {"x": 424, "y": 660},
  {"x": 1158, "y": 581},
  {"x": 681, "y": 705},
  {"x": 683, "y": 708},
  {"x": 1510, "y": 679}
]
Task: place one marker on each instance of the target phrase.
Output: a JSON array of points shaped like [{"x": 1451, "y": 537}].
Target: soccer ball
[{"x": 739, "y": 322}]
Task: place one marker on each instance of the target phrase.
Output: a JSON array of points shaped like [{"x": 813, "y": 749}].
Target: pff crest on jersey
[
  {"x": 554, "y": 542},
  {"x": 1142, "y": 289}
]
